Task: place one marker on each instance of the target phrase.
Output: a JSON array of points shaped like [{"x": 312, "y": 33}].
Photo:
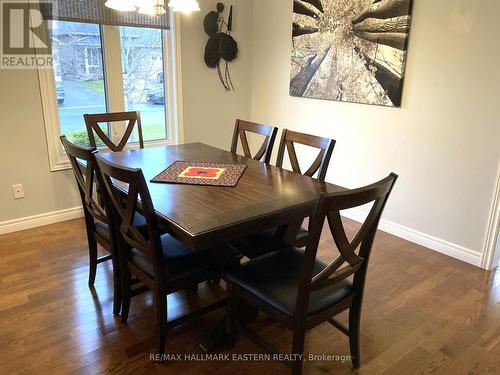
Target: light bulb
[{"x": 121, "y": 5}]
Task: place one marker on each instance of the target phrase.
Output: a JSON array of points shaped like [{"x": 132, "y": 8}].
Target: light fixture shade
[
  {"x": 151, "y": 7},
  {"x": 184, "y": 5},
  {"x": 150, "y": 11},
  {"x": 121, "y": 5}
]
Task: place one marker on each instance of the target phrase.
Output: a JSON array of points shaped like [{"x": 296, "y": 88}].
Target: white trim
[
  {"x": 57, "y": 157},
  {"x": 113, "y": 90},
  {"x": 488, "y": 260},
  {"x": 176, "y": 116},
  {"x": 40, "y": 220},
  {"x": 433, "y": 243}
]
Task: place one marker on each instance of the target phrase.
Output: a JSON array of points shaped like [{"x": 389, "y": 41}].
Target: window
[
  {"x": 143, "y": 86},
  {"x": 94, "y": 60},
  {"x": 109, "y": 69},
  {"x": 78, "y": 76}
]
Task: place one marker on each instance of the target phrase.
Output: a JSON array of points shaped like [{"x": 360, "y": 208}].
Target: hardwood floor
[{"x": 423, "y": 313}]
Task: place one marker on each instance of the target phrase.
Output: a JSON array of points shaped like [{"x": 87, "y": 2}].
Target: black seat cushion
[
  {"x": 139, "y": 222},
  {"x": 274, "y": 278},
  {"x": 302, "y": 234},
  {"x": 264, "y": 242},
  {"x": 179, "y": 261}
]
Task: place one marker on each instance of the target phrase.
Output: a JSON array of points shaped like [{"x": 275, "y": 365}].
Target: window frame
[
  {"x": 91, "y": 54},
  {"x": 110, "y": 40}
]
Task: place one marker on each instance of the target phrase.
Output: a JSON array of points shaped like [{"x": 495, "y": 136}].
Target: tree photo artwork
[{"x": 350, "y": 50}]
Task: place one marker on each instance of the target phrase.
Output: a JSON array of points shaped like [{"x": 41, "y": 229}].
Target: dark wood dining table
[{"x": 203, "y": 216}]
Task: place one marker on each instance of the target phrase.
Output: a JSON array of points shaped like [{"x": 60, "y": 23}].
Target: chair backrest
[
  {"x": 118, "y": 180},
  {"x": 83, "y": 163},
  {"x": 132, "y": 118},
  {"x": 329, "y": 206},
  {"x": 290, "y": 138},
  {"x": 265, "y": 151}
]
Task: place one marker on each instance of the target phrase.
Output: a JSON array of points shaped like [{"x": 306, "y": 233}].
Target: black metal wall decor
[{"x": 220, "y": 45}]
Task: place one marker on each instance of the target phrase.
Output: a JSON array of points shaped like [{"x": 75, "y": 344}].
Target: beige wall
[
  {"x": 445, "y": 140},
  {"x": 209, "y": 114},
  {"x": 23, "y": 149}
]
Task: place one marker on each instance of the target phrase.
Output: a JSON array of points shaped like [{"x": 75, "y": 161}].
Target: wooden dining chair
[
  {"x": 161, "y": 262},
  {"x": 296, "y": 288},
  {"x": 262, "y": 242},
  {"x": 93, "y": 122},
  {"x": 97, "y": 221},
  {"x": 240, "y": 132},
  {"x": 320, "y": 165}
]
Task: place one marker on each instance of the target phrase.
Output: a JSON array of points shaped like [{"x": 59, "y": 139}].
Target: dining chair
[
  {"x": 240, "y": 132},
  {"x": 97, "y": 221},
  {"x": 161, "y": 262},
  {"x": 93, "y": 121},
  {"x": 296, "y": 288},
  {"x": 262, "y": 242},
  {"x": 320, "y": 165}
]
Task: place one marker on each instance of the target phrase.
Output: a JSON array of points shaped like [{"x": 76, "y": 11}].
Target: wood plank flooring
[{"x": 424, "y": 313}]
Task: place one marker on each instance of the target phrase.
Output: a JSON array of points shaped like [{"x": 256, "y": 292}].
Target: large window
[
  {"x": 143, "y": 78},
  {"x": 101, "y": 69},
  {"x": 78, "y": 75}
]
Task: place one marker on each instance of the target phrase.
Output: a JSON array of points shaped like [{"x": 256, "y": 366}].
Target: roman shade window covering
[{"x": 94, "y": 11}]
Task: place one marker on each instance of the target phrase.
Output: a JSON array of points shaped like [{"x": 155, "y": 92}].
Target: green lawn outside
[
  {"x": 150, "y": 132},
  {"x": 153, "y": 132},
  {"x": 96, "y": 85}
]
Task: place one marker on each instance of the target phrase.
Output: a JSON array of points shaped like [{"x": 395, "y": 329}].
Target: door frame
[{"x": 489, "y": 257}]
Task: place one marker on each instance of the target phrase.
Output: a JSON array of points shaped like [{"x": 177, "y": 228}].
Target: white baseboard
[
  {"x": 40, "y": 220},
  {"x": 433, "y": 243}
]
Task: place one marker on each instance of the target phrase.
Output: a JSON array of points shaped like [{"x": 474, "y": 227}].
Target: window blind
[{"x": 94, "y": 11}]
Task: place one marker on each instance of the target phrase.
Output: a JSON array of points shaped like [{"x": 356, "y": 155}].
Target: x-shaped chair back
[
  {"x": 84, "y": 167},
  {"x": 269, "y": 132},
  {"x": 93, "y": 128},
  {"x": 128, "y": 194},
  {"x": 325, "y": 145},
  {"x": 349, "y": 261}
]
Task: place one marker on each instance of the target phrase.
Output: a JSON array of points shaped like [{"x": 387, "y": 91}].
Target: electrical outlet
[{"x": 18, "y": 191}]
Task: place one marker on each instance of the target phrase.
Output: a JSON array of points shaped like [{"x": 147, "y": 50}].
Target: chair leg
[
  {"x": 231, "y": 329},
  {"x": 161, "y": 319},
  {"x": 92, "y": 260},
  {"x": 354, "y": 328},
  {"x": 117, "y": 288},
  {"x": 299, "y": 335},
  {"x": 126, "y": 294}
]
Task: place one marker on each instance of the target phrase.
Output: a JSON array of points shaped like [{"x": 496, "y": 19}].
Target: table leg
[{"x": 216, "y": 339}]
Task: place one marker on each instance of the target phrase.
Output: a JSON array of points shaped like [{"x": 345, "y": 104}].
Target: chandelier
[{"x": 153, "y": 7}]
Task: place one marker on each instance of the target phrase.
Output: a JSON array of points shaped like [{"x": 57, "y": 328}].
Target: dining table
[{"x": 202, "y": 217}]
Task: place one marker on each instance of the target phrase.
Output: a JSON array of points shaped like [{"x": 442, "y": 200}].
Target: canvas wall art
[{"x": 350, "y": 50}]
